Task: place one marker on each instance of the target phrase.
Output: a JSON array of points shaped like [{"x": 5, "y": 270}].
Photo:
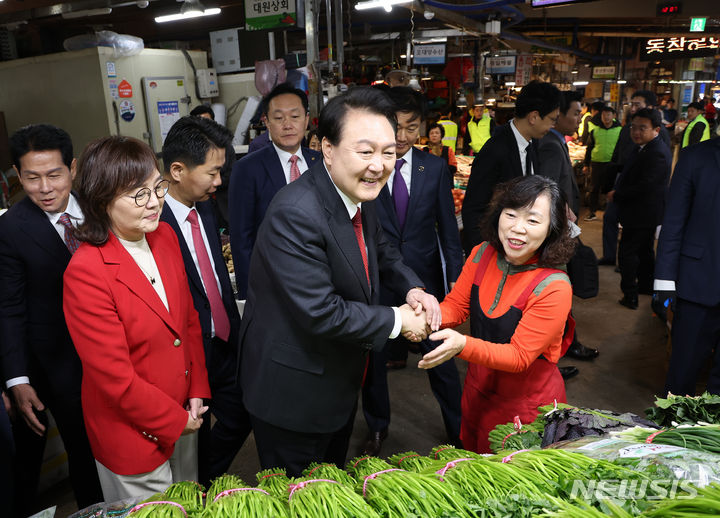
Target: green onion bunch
[
  {"x": 157, "y": 508},
  {"x": 316, "y": 498},
  {"x": 506, "y": 437},
  {"x": 410, "y": 461},
  {"x": 705, "y": 503},
  {"x": 329, "y": 471},
  {"x": 448, "y": 452},
  {"x": 223, "y": 483},
  {"x": 274, "y": 481},
  {"x": 248, "y": 502},
  {"x": 701, "y": 437},
  {"x": 188, "y": 493}
]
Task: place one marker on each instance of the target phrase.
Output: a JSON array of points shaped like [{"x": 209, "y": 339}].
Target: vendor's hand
[
  {"x": 413, "y": 324},
  {"x": 192, "y": 425},
  {"x": 452, "y": 344},
  {"x": 26, "y": 401},
  {"x": 661, "y": 301},
  {"x": 419, "y": 301},
  {"x": 570, "y": 214}
]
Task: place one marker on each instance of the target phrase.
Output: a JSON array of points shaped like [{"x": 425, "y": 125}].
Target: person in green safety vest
[
  {"x": 590, "y": 120},
  {"x": 450, "y": 127},
  {"x": 698, "y": 129},
  {"x": 598, "y": 157},
  {"x": 479, "y": 130}
]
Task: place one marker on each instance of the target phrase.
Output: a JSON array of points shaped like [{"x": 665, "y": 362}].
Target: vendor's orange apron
[{"x": 491, "y": 397}]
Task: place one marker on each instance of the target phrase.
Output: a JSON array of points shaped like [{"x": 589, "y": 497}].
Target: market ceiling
[{"x": 39, "y": 25}]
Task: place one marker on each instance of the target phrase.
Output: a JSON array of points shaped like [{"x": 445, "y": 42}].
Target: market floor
[{"x": 625, "y": 377}]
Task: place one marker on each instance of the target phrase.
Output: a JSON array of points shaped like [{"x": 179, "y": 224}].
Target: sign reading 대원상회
[
  {"x": 679, "y": 47},
  {"x": 269, "y": 14}
]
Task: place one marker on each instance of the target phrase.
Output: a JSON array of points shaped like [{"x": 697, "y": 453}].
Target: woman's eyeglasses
[{"x": 143, "y": 195}]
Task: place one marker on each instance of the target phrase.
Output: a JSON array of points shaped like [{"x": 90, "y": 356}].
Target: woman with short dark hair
[
  {"x": 518, "y": 301},
  {"x": 435, "y": 146},
  {"x": 131, "y": 317}
]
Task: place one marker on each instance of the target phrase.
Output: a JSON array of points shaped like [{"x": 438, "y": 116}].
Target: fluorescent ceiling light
[
  {"x": 385, "y": 4},
  {"x": 187, "y": 15},
  {"x": 621, "y": 82},
  {"x": 580, "y": 83}
]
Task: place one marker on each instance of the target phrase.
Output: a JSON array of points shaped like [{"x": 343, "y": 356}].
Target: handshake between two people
[{"x": 421, "y": 318}]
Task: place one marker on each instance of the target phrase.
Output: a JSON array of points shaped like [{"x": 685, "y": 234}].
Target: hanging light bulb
[
  {"x": 461, "y": 100},
  {"x": 414, "y": 83}
]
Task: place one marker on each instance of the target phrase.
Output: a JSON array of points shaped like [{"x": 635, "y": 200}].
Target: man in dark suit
[
  {"x": 39, "y": 362},
  {"x": 418, "y": 218},
  {"x": 687, "y": 270},
  {"x": 7, "y": 452},
  {"x": 640, "y": 197},
  {"x": 508, "y": 154},
  {"x": 313, "y": 310},
  {"x": 554, "y": 162},
  {"x": 258, "y": 176},
  {"x": 193, "y": 157}
]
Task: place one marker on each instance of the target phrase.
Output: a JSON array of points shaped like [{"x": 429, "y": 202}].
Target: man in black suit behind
[
  {"x": 640, "y": 197},
  {"x": 418, "y": 218},
  {"x": 687, "y": 271},
  {"x": 193, "y": 157},
  {"x": 508, "y": 154},
  {"x": 39, "y": 362},
  {"x": 313, "y": 310}
]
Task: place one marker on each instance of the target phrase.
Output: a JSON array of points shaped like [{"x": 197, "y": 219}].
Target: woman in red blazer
[{"x": 131, "y": 317}]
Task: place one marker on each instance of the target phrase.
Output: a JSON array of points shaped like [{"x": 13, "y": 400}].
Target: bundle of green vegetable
[
  {"x": 685, "y": 409},
  {"x": 516, "y": 435},
  {"x": 565, "y": 509},
  {"x": 449, "y": 452},
  {"x": 479, "y": 480},
  {"x": 158, "y": 509},
  {"x": 223, "y": 483},
  {"x": 325, "y": 498},
  {"x": 410, "y": 461},
  {"x": 274, "y": 481},
  {"x": 245, "y": 502},
  {"x": 705, "y": 503},
  {"x": 701, "y": 437},
  {"x": 331, "y": 471},
  {"x": 396, "y": 493}
]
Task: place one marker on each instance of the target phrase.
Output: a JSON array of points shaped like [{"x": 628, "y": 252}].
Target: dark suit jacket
[
  {"x": 688, "y": 250},
  {"x": 35, "y": 340},
  {"x": 555, "y": 163},
  {"x": 641, "y": 187},
  {"x": 213, "y": 359},
  {"x": 254, "y": 181},
  {"x": 498, "y": 161},
  {"x": 311, "y": 318},
  {"x": 430, "y": 216}
]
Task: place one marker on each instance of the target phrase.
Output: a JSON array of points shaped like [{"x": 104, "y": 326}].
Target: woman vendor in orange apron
[{"x": 518, "y": 302}]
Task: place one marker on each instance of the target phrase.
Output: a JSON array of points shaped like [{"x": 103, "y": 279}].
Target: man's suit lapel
[
  {"x": 417, "y": 182},
  {"x": 388, "y": 205},
  {"x": 515, "y": 155},
  {"x": 273, "y": 167},
  {"x": 208, "y": 219},
  {"x": 42, "y": 232},
  {"x": 168, "y": 216},
  {"x": 310, "y": 158},
  {"x": 342, "y": 228},
  {"x": 136, "y": 281}
]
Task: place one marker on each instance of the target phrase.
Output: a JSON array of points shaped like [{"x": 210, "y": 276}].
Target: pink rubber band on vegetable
[
  {"x": 360, "y": 460},
  {"x": 443, "y": 449},
  {"x": 517, "y": 424},
  {"x": 448, "y": 466},
  {"x": 509, "y": 457},
  {"x": 511, "y": 434},
  {"x": 272, "y": 475},
  {"x": 652, "y": 436},
  {"x": 374, "y": 475},
  {"x": 319, "y": 466},
  {"x": 407, "y": 457},
  {"x": 236, "y": 489},
  {"x": 304, "y": 483},
  {"x": 140, "y": 506}
]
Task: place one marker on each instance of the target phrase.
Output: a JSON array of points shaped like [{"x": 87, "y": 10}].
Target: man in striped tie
[
  {"x": 39, "y": 364},
  {"x": 193, "y": 157}
]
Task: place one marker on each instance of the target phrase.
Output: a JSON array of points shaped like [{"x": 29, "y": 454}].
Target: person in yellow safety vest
[
  {"x": 479, "y": 130},
  {"x": 590, "y": 120},
  {"x": 698, "y": 129},
  {"x": 451, "y": 129},
  {"x": 598, "y": 157}
]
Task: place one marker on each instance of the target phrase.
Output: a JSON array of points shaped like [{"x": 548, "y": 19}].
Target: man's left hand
[{"x": 419, "y": 301}]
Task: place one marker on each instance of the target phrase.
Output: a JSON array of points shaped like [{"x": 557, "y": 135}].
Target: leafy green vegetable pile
[{"x": 685, "y": 409}]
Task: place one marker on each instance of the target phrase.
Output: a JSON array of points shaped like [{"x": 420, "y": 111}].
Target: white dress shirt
[
  {"x": 522, "y": 144},
  {"x": 405, "y": 171},
  {"x": 352, "y": 209},
  {"x": 285, "y": 161},
  {"x": 181, "y": 211}
]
